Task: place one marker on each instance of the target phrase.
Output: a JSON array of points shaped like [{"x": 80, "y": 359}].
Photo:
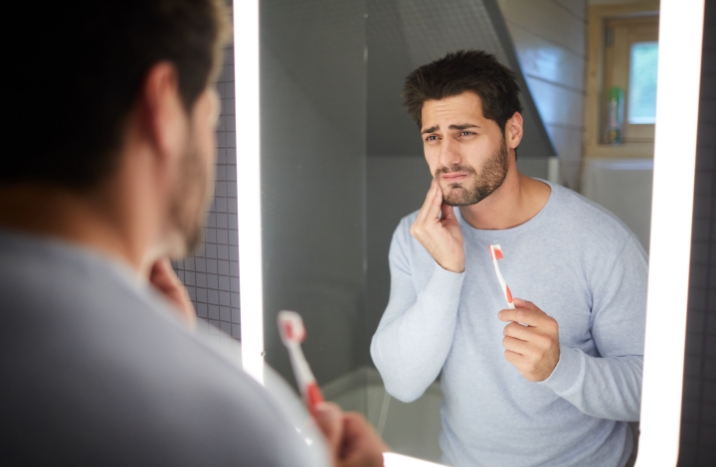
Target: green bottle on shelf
[{"x": 615, "y": 116}]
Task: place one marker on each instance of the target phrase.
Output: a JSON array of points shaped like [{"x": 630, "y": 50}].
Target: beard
[
  {"x": 190, "y": 203},
  {"x": 477, "y": 187}
]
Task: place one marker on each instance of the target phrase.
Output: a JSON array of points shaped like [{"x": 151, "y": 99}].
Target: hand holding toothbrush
[
  {"x": 533, "y": 346},
  {"x": 351, "y": 440},
  {"x": 532, "y": 336}
]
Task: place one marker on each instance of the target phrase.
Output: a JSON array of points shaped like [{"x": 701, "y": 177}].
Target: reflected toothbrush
[
  {"x": 293, "y": 332},
  {"x": 496, "y": 253}
]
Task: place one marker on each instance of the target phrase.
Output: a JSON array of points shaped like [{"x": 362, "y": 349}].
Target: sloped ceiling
[{"x": 404, "y": 34}]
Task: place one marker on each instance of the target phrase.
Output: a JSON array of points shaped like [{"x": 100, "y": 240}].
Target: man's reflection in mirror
[{"x": 555, "y": 380}]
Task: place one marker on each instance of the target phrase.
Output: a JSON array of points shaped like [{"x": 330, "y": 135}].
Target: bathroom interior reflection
[{"x": 342, "y": 162}]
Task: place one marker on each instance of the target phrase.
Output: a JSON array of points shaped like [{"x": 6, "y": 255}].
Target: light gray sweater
[
  {"x": 577, "y": 263},
  {"x": 97, "y": 370}
]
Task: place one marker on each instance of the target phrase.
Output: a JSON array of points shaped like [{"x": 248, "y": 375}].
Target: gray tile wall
[
  {"x": 698, "y": 429},
  {"x": 313, "y": 138},
  {"x": 212, "y": 275}
]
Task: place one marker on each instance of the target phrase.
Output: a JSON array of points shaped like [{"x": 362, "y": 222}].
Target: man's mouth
[{"x": 454, "y": 177}]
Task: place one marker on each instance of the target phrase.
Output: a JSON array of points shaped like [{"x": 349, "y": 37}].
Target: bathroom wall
[
  {"x": 550, "y": 38},
  {"x": 698, "y": 428},
  {"x": 313, "y": 177},
  {"x": 211, "y": 275}
]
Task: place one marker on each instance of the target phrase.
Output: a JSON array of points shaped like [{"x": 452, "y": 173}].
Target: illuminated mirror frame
[
  {"x": 680, "y": 42},
  {"x": 248, "y": 183},
  {"x": 677, "y": 111}
]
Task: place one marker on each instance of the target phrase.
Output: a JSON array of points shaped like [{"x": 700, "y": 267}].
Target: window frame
[{"x": 641, "y": 143}]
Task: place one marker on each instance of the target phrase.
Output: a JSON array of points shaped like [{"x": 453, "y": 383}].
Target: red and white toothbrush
[
  {"x": 496, "y": 253},
  {"x": 293, "y": 332}
]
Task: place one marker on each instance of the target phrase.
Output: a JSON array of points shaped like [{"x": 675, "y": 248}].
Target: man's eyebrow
[{"x": 463, "y": 126}]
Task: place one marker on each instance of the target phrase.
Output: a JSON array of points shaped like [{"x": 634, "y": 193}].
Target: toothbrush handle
[
  {"x": 313, "y": 397},
  {"x": 508, "y": 296}
]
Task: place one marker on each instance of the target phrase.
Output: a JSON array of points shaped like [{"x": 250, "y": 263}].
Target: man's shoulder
[
  {"x": 576, "y": 214},
  {"x": 113, "y": 369},
  {"x": 67, "y": 297}
]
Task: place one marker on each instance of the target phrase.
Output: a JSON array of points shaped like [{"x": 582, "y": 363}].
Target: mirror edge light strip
[
  {"x": 392, "y": 459},
  {"x": 248, "y": 186},
  {"x": 677, "y": 102}
]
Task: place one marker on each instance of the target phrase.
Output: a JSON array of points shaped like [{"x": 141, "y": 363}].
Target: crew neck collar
[{"x": 535, "y": 222}]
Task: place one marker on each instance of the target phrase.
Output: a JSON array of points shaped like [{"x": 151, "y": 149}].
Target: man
[
  {"x": 554, "y": 381},
  {"x": 98, "y": 364}
]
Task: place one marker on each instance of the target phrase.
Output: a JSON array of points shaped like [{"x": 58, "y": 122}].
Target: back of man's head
[
  {"x": 472, "y": 70},
  {"x": 79, "y": 68}
]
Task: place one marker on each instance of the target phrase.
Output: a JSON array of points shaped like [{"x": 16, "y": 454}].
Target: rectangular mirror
[{"x": 339, "y": 164}]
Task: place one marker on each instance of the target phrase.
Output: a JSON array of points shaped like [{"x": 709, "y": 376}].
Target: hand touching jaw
[
  {"x": 163, "y": 278},
  {"x": 437, "y": 229}
]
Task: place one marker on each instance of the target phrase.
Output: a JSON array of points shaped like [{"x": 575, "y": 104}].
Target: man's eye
[
  {"x": 467, "y": 133},
  {"x": 431, "y": 138}
]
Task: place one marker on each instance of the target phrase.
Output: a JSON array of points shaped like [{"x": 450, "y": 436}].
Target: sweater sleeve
[
  {"x": 609, "y": 385},
  {"x": 416, "y": 332}
]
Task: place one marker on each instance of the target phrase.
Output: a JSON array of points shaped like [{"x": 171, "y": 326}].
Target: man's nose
[{"x": 449, "y": 153}]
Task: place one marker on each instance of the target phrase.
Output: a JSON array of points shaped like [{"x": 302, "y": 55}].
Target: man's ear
[
  {"x": 163, "y": 111},
  {"x": 513, "y": 131}
]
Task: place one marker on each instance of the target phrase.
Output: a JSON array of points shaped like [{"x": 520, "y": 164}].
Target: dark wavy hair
[
  {"x": 77, "y": 71},
  {"x": 457, "y": 72}
]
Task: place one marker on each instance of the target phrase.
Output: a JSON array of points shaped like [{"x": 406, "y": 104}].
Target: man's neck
[
  {"x": 515, "y": 202},
  {"x": 62, "y": 214}
]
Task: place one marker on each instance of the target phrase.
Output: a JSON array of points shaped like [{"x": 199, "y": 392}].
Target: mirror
[
  {"x": 342, "y": 163},
  {"x": 328, "y": 174}
]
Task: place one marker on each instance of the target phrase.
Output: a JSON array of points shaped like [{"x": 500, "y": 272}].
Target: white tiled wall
[{"x": 549, "y": 37}]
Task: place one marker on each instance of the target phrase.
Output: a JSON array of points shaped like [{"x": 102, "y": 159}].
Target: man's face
[
  {"x": 195, "y": 189},
  {"x": 465, "y": 151}
]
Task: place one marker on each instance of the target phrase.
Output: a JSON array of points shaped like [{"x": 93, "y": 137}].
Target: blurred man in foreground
[{"x": 98, "y": 360}]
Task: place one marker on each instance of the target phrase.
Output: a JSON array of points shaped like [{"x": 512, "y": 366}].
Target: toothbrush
[
  {"x": 496, "y": 253},
  {"x": 293, "y": 332}
]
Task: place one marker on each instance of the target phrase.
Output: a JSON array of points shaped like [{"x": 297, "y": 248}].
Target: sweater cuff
[
  {"x": 447, "y": 282},
  {"x": 568, "y": 372}
]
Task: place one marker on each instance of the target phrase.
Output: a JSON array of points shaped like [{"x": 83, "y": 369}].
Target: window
[
  {"x": 630, "y": 58},
  {"x": 622, "y": 55},
  {"x": 642, "y": 83}
]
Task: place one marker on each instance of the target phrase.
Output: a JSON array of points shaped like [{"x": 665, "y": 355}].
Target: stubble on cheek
[
  {"x": 475, "y": 187},
  {"x": 456, "y": 193},
  {"x": 191, "y": 201}
]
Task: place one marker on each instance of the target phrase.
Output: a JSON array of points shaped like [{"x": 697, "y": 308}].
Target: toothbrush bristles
[
  {"x": 291, "y": 326},
  {"x": 497, "y": 251},
  {"x": 288, "y": 330}
]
